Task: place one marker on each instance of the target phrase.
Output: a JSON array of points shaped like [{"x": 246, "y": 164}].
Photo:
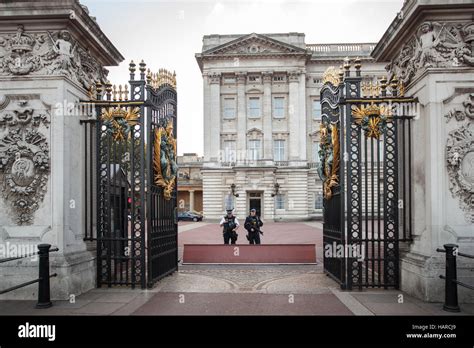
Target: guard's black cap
[{"x": 253, "y": 209}]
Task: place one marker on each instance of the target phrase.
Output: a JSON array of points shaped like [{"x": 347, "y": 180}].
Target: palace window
[
  {"x": 279, "y": 150},
  {"x": 229, "y": 151},
  {"x": 254, "y": 78},
  {"x": 255, "y": 150},
  {"x": 316, "y": 152},
  {"x": 278, "y": 107},
  {"x": 279, "y": 78},
  {"x": 229, "y": 109},
  {"x": 318, "y": 200},
  {"x": 254, "y": 107},
  {"x": 279, "y": 201},
  {"x": 316, "y": 109}
]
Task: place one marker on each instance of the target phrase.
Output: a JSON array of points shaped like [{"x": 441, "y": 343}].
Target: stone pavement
[{"x": 240, "y": 289}]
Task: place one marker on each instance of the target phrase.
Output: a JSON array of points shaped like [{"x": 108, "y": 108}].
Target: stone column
[
  {"x": 191, "y": 200},
  {"x": 302, "y": 137},
  {"x": 215, "y": 117},
  {"x": 442, "y": 137},
  {"x": 207, "y": 116},
  {"x": 40, "y": 128},
  {"x": 241, "y": 117},
  {"x": 293, "y": 116},
  {"x": 267, "y": 116}
]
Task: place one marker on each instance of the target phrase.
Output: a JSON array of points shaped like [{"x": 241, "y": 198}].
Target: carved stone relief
[
  {"x": 434, "y": 44},
  {"x": 56, "y": 53},
  {"x": 24, "y": 154},
  {"x": 460, "y": 156},
  {"x": 467, "y": 112}
]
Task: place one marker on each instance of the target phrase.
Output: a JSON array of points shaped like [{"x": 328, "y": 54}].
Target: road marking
[{"x": 351, "y": 302}]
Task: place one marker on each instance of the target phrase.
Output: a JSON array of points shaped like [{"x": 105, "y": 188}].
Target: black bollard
[
  {"x": 44, "y": 300},
  {"x": 451, "y": 290}
]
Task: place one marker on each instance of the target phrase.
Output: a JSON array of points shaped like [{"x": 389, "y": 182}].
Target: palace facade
[{"x": 261, "y": 121}]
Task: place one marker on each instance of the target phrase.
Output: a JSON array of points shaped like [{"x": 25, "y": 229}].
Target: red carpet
[
  {"x": 168, "y": 303},
  {"x": 264, "y": 253}
]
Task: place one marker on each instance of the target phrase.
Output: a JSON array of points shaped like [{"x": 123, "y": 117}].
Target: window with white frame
[
  {"x": 318, "y": 200},
  {"x": 316, "y": 109},
  {"x": 279, "y": 201},
  {"x": 254, "y": 107},
  {"x": 278, "y": 107},
  {"x": 229, "y": 107},
  {"x": 279, "y": 150},
  {"x": 229, "y": 151},
  {"x": 316, "y": 152},
  {"x": 254, "y": 149}
]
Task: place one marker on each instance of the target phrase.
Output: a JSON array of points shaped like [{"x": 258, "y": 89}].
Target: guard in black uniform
[
  {"x": 252, "y": 225},
  {"x": 230, "y": 223}
]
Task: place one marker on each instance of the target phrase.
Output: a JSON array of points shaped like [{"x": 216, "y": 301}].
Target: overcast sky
[{"x": 167, "y": 34}]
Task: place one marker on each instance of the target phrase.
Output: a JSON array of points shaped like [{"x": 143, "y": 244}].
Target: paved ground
[
  {"x": 237, "y": 290},
  {"x": 240, "y": 289}
]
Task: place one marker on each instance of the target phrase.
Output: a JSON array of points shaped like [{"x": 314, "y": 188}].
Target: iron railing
[
  {"x": 451, "y": 282},
  {"x": 89, "y": 185},
  {"x": 44, "y": 294}
]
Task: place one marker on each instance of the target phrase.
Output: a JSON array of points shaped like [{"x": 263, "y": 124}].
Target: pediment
[
  {"x": 254, "y": 130},
  {"x": 254, "y": 44}
]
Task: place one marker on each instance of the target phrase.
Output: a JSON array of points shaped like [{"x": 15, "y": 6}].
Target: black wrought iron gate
[
  {"x": 134, "y": 186},
  {"x": 365, "y": 153}
]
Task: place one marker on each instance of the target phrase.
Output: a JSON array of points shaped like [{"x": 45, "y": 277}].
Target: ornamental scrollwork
[
  {"x": 329, "y": 152},
  {"x": 48, "y": 53},
  {"x": 461, "y": 115},
  {"x": 164, "y": 158},
  {"x": 118, "y": 121},
  {"x": 460, "y": 166},
  {"x": 437, "y": 45},
  {"x": 24, "y": 156},
  {"x": 372, "y": 119}
]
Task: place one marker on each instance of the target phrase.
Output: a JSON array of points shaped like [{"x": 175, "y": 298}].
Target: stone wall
[
  {"x": 50, "y": 54},
  {"x": 430, "y": 48}
]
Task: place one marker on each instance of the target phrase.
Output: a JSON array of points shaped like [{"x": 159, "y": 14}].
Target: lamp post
[
  {"x": 232, "y": 188},
  {"x": 277, "y": 189}
]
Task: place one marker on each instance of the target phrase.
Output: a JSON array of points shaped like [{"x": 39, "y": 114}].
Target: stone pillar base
[
  {"x": 420, "y": 277},
  {"x": 76, "y": 275}
]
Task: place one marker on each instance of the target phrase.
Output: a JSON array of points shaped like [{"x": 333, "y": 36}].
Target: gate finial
[
  {"x": 132, "y": 69},
  {"x": 332, "y": 76},
  {"x": 347, "y": 66}
]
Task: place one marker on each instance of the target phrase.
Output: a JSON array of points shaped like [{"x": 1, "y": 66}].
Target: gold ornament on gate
[
  {"x": 161, "y": 78},
  {"x": 332, "y": 75},
  {"x": 164, "y": 159},
  {"x": 120, "y": 120},
  {"x": 373, "y": 119},
  {"x": 330, "y": 156}
]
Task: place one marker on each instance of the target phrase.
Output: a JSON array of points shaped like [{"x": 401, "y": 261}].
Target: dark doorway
[{"x": 255, "y": 202}]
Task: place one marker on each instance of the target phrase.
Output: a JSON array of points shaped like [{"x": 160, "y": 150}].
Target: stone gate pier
[
  {"x": 51, "y": 52},
  {"x": 430, "y": 47}
]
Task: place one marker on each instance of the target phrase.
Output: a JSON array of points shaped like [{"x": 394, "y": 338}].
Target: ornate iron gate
[
  {"x": 366, "y": 171},
  {"x": 135, "y": 181}
]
